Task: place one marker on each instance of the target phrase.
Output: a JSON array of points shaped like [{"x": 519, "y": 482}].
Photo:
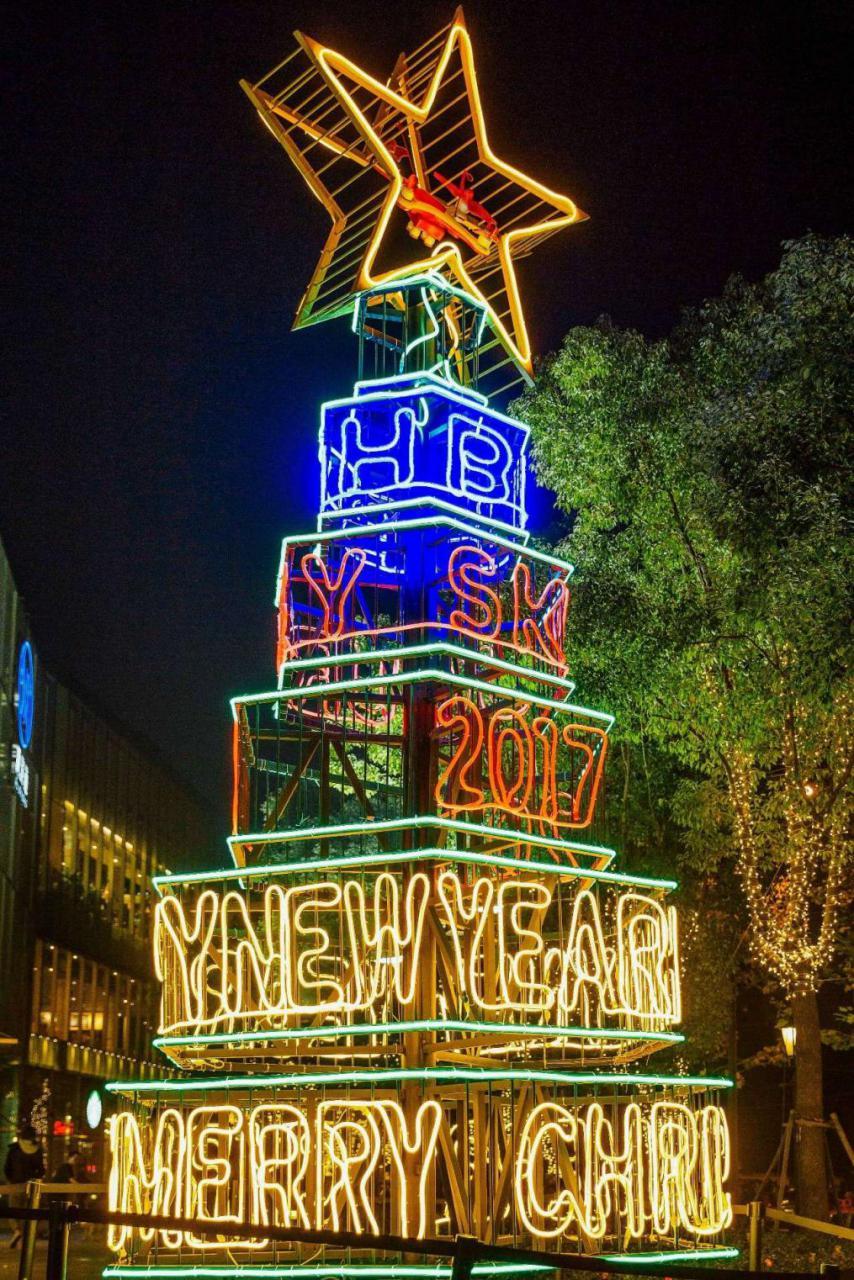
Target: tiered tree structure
[{"x": 417, "y": 1003}]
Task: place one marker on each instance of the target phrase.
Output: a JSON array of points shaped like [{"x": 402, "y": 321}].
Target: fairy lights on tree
[{"x": 804, "y": 836}]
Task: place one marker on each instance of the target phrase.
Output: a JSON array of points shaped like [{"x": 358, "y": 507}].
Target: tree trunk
[{"x": 810, "y": 1164}]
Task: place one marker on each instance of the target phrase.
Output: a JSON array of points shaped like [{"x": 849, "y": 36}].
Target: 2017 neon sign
[{"x": 517, "y": 754}]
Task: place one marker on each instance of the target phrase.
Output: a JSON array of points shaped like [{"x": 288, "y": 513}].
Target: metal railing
[
  {"x": 464, "y": 1252},
  {"x": 757, "y": 1213},
  {"x": 54, "y": 1214}
]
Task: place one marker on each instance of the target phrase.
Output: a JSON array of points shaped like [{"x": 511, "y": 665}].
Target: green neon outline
[
  {"x": 504, "y": 527},
  {"x": 404, "y": 1271},
  {"x": 406, "y": 824},
  {"x": 422, "y": 339},
  {"x": 416, "y": 855},
  {"x": 417, "y": 650},
  {"x": 451, "y": 522},
  {"x": 419, "y": 1024},
  {"x": 408, "y": 382},
  {"x": 411, "y": 677},
  {"x": 379, "y": 1075},
  {"x": 435, "y": 280},
  {"x": 404, "y": 381},
  {"x": 445, "y": 379}
]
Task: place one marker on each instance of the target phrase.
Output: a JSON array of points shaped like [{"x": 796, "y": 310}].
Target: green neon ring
[
  {"x": 407, "y": 824},
  {"x": 411, "y": 677},
  {"x": 402, "y": 1271},
  {"x": 414, "y": 855},
  {"x": 420, "y": 1024},
  {"x": 451, "y": 1075},
  {"x": 407, "y": 1271},
  {"x": 418, "y": 650}
]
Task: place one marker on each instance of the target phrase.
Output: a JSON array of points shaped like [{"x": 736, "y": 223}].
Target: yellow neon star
[{"x": 363, "y": 122}]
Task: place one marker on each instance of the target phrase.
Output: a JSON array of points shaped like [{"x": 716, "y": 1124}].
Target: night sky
[{"x": 159, "y": 419}]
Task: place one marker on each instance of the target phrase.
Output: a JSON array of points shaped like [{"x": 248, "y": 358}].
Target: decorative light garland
[{"x": 809, "y": 848}]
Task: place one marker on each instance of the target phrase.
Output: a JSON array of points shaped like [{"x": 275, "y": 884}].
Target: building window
[{"x": 86, "y": 1003}]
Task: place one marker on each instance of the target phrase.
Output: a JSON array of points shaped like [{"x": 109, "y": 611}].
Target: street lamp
[{"x": 790, "y": 1036}]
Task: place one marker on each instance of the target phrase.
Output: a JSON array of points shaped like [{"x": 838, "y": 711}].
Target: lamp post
[{"x": 789, "y": 1035}]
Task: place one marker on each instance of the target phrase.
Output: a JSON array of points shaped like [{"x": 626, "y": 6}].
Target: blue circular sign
[{"x": 26, "y": 694}]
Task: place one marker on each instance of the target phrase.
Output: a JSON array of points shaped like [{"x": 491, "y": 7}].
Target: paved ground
[{"x": 87, "y": 1256}]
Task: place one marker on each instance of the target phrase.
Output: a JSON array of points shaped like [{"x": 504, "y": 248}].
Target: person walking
[{"x": 24, "y": 1163}]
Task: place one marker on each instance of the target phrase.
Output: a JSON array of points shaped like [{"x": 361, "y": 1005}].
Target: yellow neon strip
[
  {"x": 651, "y": 1168},
  {"x": 336, "y": 69},
  {"x": 228, "y": 957}
]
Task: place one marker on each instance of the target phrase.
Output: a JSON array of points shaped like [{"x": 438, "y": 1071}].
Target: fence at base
[{"x": 463, "y": 1253}]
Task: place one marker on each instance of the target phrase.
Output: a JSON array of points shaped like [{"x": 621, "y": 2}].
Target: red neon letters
[
  {"x": 332, "y": 595},
  {"x": 319, "y": 606},
  {"x": 537, "y": 622}
]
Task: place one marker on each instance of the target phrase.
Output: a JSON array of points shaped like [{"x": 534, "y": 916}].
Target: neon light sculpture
[{"x": 423, "y": 982}]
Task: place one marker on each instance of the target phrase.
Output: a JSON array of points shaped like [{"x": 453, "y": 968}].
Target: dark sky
[{"x": 159, "y": 419}]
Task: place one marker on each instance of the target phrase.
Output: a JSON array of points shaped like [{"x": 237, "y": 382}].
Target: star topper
[{"x": 412, "y": 153}]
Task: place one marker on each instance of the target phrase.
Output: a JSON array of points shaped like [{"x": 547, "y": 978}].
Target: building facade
[
  {"x": 101, "y": 817},
  {"x": 18, "y": 830}
]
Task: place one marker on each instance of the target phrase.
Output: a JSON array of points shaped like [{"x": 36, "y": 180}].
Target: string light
[{"x": 794, "y": 921}]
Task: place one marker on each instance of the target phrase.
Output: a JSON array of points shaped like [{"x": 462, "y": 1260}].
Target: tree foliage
[{"x": 710, "y": 479}]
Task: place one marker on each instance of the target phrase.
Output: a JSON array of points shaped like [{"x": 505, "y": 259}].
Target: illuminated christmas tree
[{"x": 414, "y": 1005}]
